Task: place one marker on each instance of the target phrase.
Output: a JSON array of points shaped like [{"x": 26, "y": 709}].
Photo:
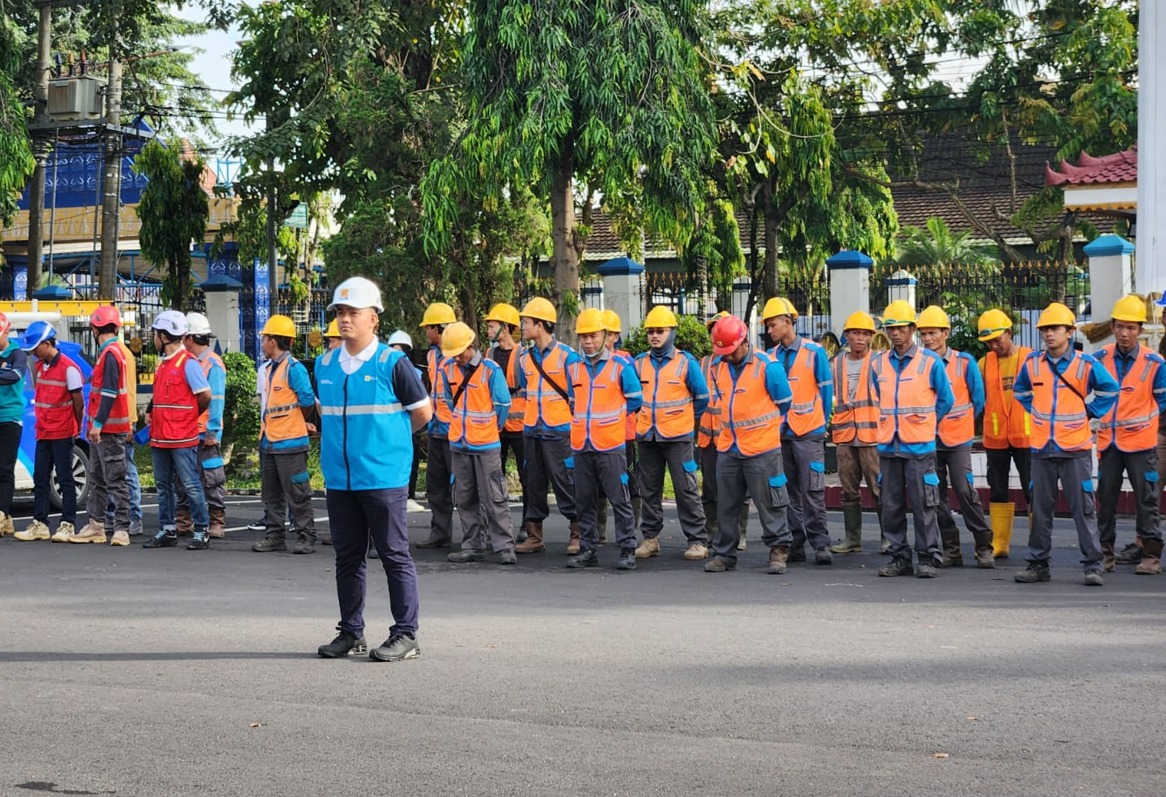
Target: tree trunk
[{"x": 564, "y": 256}]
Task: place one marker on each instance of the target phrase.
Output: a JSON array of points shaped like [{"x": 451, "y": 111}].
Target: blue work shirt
[
  {"x": 217, "y": 378},
  {"x": 940, "y": 385},
  {"x": 973, "y": 380},
  {"x": 694, "y": 380},
  {"x": 776, "y": 385},
  {"x": 822, "y": 376},
  {"x": 629, "y": 382},
  {"x": 1100, "y": 398},
  {"x": 499, "y": 395},
  {"x": 299, "y": 383},
  {"x": 13, "y": 366}
]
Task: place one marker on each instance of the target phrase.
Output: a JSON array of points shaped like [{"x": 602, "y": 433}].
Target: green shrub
[
  {"x": 691, "y": 336},
  {"x": 240, "y": 412}
]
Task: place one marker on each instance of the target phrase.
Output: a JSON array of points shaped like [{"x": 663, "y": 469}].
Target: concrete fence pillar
[
  {"x": 622, "y": 291},
  {"x": 849, "y": 286},
  {"x": 1111, "y": 277},
  {"x": 222, "y": 310},
  {"x": 901, "y": 285}
]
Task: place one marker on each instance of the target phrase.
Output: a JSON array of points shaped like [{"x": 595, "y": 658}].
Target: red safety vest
[
  {"x": 1133, "y": 421},
  {"x": 53, "y": 401},
  {"x": 857, "y": 421},
  {"x": 959, "y": 425},
  {"x": 667, "y": 401},
  {"x": 906, "y": 400},
  {"x": 473, "y": 420},
  {"x": 1006, "y": 423},
  {"x": 1069, "y": 426},
  {"x": 600, "y": 407},
  {"x": 174, "y": 419},
  {"x": 118, "y": 421},
  {"x": 748, "y": 417}
]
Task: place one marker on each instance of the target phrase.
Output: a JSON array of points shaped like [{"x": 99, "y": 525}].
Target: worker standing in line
[
  {"x": 13, "y": 366},
  {"x": 614, "y": 328},
  {"x": 956, "y": 432},
  {"x": 1062, "y": 389},
  {"x": 438, "y": 468},
  {"x": 133, "y": 481},
  {"x": 502, "y": 324},
  {"x": 401, "y": 341}
]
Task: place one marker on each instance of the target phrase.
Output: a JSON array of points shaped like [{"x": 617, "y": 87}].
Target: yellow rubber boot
[{"x": 1002, "y": 516}]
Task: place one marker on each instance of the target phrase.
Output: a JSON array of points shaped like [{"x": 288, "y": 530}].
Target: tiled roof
[{"x": 1120, "y": 167}]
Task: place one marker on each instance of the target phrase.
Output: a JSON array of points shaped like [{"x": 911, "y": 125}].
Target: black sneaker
[
  {"x": 627, "y": 560},
  {"x": 823, "y": 557},
  {"x": 304, "y": 545},
  {"x": 585, "y": 559},
  {"x": 465, "y": 556},
  {"x": 163, "y": 539},
  {"x": 396, "y": 648},
  {"x": 269, "y": 544},
  {"x": 1129, "y": 555},
  {"x": 1036, "y": 572},
  {"x": 345, "y": 644},
  {"x": 899, "y": 566},
  {"x": 433, "y": 542},
  {"x": 926, "y": 568},
  {"x": 200, "y": 541}
]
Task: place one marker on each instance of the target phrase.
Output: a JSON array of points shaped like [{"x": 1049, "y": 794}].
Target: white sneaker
[
  {"x": 92, "y": 532},
  {"x": 413, "y": 506},
  {"x": 35, "y": 531}
]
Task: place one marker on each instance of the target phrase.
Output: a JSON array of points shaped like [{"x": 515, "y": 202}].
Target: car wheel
[{"x": 80, "y": 480}]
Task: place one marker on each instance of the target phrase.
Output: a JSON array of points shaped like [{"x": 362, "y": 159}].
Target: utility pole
[
  {"x": 36, "y": 191},
  {"x": 111, "y": 179}
]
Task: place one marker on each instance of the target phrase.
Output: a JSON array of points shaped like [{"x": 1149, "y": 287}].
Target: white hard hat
[
  {"x": 358, "y": 292},
  {"x": 400, "y": 338},
  {"x": 197, "y": 324},
  {"x": 171, "y": 322}
]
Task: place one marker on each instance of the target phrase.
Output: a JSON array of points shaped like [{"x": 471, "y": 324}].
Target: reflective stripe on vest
[
  {"x": 517, "y": 414},
  {"x": 207, "y": 364},
  {"x": 473, "y": 420},
  {"x": 543, "y": 402},
  {"x": 1006, "y": 423},
  {"x": 805, "y": 413},
  {"x": 749, "y": 418},
  {"x": 174, "y": 422},
  {"x": 1057, "y": 413},
  {"x": 434, "y": 361},
  {"x": 959, "y": 425},
  {"x": 629, "y": 433},
  {"x": 856, "y": 421},
  {"x": 118, "y": 421},
  {"x": 1133, "y": 421},
  {"x": 667, "y": 404},
  {"x": 282, "y": 418},
  {"x": 709, "y": 424},
  {"x": 906, "y": 400},
  {"x": 600, "y": 407},
  {"x": 52, "y": 400}
]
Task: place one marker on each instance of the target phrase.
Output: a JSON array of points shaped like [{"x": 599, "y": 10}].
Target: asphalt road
[{"x": 173, "y": 672}]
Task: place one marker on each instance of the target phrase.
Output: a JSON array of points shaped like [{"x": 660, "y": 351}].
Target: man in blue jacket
[{"x": 13, "y": 365}]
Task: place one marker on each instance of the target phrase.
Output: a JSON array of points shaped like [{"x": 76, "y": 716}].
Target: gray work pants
[
  {"x": 1142, "y": 468},
  {"x": 955, "y": 467},
  {"x": 761, "y": 478},
  {"x": 606, "y": 473},
  {"x": 214, "y": 486},
  {"x": 548, "y": 465},
  {"x": 286, "y": 482},
  {"x": 1075, "y": 475},
  {"x": 915, "y": 478},
  {"x": 439, "y": 488},
  {"x": 107, "y": 479},
  {"x": 805, "y": 466},
  {"x": 708, "y": 495},
  {"x": 479, "y": 486},
  {"x": 678, "y": 457}
]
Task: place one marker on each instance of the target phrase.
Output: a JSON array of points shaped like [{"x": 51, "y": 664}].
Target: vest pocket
[
  {"x": 930, "y": 489},
  {"x": 778, "y": 492}
]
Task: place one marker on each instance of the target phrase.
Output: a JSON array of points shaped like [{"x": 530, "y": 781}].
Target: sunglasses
[{"x": 657, "y": 331}]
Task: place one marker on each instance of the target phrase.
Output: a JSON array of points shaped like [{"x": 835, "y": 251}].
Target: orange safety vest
[
  {"x": 629, "y": 433},
  {"x": 667, "y": 401},
  {"x": 118, "y": 421},
  {"x": 1057, "y": 413},
  {"x": 709, "y": 425},
  {"x": 959, "y": 425},
  {"x": 748, "y": 417},
  {"x": 517, "y": 400},
  {"x": 52, "y": 400},
  {"x": 1006, "y": 423},
  {"x": 1133, "y": 421},
  {"x": 806, "y": 412},
  {"x": 906, "y": 400},
  {"x": 207, "y": 364},
  {"x": 440, "y": 408},
  {"x": 282, "y": 418},
  {"x": 542, "y": 400},
  {"x": 473, "y": 420},
  {"x": 600, "y": 407},
  {"x": 174, "y": 420},
  {"x": 856, "y": 422}
]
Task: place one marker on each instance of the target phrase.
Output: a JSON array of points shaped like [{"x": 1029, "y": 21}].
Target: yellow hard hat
[
  {"x": 993, "y": 323},
  {"x": 456, "y": 338},
  {"x": 933, "y": 317},
  {"x": 660, "y": 317},
  {"x": 504, "y": 314},
  {"x": 898, "y": 314},
  {"x": 540, "y": 309},
  {"x": 1130, "y": 307},
  {"x": 779, "y": 305},
  {"x": 709, "y": 324},
  {"x": 590, "y": 320},
  {"x": 333, "y": 330},
  {"x": 438, "y": 314},
  {"x": 1056, "y": 315},
  {"x": 611, "y": 321},
  {"x": 859, "y": 320},
  {"x": 279, "y": 325}
]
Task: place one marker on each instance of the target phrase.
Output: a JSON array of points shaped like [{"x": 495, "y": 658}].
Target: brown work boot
[
  {"x": 696, "y": 552},
  {"x": 778, "y": 557},
  {"x": 1151, "y": 564},
  {"x": 1108, "y": 562},
  {"x": 573, "y": 543},
  {"x": 6, "y": 527},
  {"x": 648, "y": 548},
  {"x": 184, "y": 523},
  {"x": 216, "y": 530},
  {"x": 534, "y": 538},
  {"x": 218, "y": 522}
]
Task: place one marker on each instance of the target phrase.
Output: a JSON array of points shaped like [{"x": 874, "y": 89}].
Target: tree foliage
[{"x": 16, "y": 161}]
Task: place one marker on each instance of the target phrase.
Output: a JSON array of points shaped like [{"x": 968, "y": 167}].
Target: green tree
[
  {"x": 173, "y": 210},
  {"x": 937, "y": 245},
  {"x": 580, "y": 98},
  {"x": 16, "y": 161}
]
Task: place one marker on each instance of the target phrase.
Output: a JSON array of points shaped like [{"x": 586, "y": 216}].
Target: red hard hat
[
  {"x": 728, "y": 333},
  {"x": 105, "y": 314},
  {"x": 5, "y": 324}
]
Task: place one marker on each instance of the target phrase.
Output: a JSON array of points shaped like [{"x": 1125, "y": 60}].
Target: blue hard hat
[{"x": 38, "y": 332}]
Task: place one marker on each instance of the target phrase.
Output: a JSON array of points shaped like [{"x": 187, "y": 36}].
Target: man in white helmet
[{"x": 371, "y": 402}]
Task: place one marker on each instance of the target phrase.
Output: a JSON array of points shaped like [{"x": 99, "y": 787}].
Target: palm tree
[{"x": 937, "y": 245}]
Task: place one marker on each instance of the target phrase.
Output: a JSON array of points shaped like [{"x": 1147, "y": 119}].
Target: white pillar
[
  {"x": 901, "y": 285},
  {"x": 222, "y": 310},
  {"x": 1151, "y": 274},
  {"x": 849, "y": 286},
  {"x": 1110, "y": 277},
  {"x": 623, "y": 281}
]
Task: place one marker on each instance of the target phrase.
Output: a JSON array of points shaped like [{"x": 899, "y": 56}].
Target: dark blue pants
[
  {"x": 54, "y": 455},
  {"x": 355, "y": 517}
]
